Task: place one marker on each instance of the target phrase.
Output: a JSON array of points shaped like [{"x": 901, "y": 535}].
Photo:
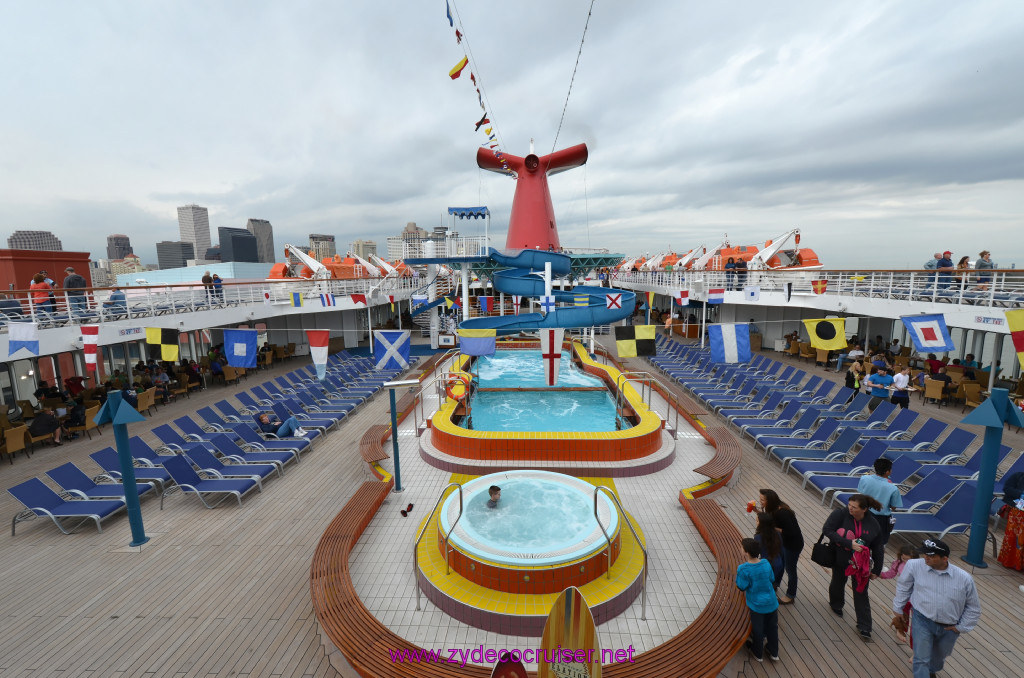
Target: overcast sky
[{"x": 884, "y": 130}]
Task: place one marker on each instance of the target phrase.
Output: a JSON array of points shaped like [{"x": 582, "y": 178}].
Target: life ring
[{"x": 457, "y": 386}]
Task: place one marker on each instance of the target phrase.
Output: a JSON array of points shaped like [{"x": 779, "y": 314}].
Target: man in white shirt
[
  {"x": 945, "y": 604},
  {"x": 900, "y": 388},
  {"x": 856, "y": 353}
]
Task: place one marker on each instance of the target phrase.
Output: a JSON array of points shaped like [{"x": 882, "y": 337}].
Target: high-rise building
[
  {"x": 322, "y": 245},
  {"x": 118, "y": 246},
  {"x": 99, "y": 270},
  {"x": 173, "y": 253},
  {"x": 237, "y": 244},
  {"x": 194, "y": 227},
  {"x": 34, "y": 240},
  {"x": 264, "y": 232},
  {"x": 364, "y": 248}
]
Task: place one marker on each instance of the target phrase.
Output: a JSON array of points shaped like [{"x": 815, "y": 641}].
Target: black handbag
[{"x": 823, "y": 554}]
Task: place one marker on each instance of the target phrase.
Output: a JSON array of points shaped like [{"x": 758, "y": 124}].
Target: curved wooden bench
[
  {"x": 728, "y": 453},
  {"x": 371, "y": 445},
  {"x": 704, "y": 647}
]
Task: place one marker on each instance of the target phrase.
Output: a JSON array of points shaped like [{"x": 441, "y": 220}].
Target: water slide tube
[{"x": 525, "y": 277}]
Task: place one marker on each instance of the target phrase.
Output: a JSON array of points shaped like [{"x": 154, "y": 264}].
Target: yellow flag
[
  {"x": 1015, "y": 320},
  {"x": 828, "y": 334}
]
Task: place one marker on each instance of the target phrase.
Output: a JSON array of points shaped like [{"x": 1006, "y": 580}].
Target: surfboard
[
  {"x": 509, "y": 668},
  {"x": 570, "y": 639}
]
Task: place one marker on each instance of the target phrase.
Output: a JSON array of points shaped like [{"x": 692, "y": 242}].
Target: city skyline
[{"x": 699, "y": 123}]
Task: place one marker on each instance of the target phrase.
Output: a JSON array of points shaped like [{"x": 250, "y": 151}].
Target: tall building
[
  {"x": 364, "y": 248},
  {"x": 322, "y": 245},
  {"x": 34, "y": 240},
  {"x": 264, "y": 232},
  {"x": 194, "y": 227},
  {"x": 118, "y": 246},
  {"x": 174, "y": 254},
  {"x": 237, "y": 244},
  {"x": 100, "y": 272}
]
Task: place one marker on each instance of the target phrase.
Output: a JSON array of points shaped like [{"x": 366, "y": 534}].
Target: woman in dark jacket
[
  {"x": 851, "y": 530},
  {"x": 792, "y": 540}
]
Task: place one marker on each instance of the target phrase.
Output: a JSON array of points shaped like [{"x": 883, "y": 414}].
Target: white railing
[
  {"x": 1002, "y": 288},
  {"x": 95, "y": 305}
]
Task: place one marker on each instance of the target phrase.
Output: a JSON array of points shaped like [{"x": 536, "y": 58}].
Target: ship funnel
[{"x": 532, "y": 162}]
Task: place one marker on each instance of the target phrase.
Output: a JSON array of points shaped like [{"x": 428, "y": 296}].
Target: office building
[
  {"x": 130, "y": 264},
  {"x": 322, "y": 246},
  {"x": 364, "y": 248},
  {"x": 34, "y": 240},
  {"x": 237, "y": 244},
  {"x": 99, "y": 270},
  {"x": 194, "y": 227},
  {"x": 118, "y": 246},
  {"x": 264, "y": 232},
  {"x": 173, "y": 254}
]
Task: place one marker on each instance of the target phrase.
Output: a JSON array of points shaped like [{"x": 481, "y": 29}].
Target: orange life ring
[{"x": 457, "y": 386}]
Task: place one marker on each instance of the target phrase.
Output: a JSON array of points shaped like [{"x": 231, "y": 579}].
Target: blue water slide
[{"x": 525, "y": 277}]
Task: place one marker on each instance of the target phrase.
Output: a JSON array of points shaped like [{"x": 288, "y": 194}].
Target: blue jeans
[
  {"x": 288, "y": 427},
  {"x": 764, "y": 626},
  {"x": 78, "y": 302},
  {"x": 932, "y": 644},
  {"x": 789, "y": 558}
]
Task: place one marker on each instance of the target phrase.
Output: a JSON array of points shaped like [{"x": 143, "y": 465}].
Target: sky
[{"x": 883, "y": 130}]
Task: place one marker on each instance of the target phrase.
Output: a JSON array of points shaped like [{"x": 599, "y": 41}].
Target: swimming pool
[{"x": 525, "y": 369}]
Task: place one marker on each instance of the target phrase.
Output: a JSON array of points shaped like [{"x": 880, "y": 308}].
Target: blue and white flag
[
  {"x": 730, "y": 343},
  {"x": 419, "y": 299},
  {"x": 929, "y": 333},
  {"x": 22, "y": 335},
  {"x": 391, "y": 349},
  {"x": 716, "y": 295},
  {"x": 752, "y": 292},
  {"x": 240, "y": 347},
  {"x": 547, "y": 303},
  {"x": 327, "y": 300}
]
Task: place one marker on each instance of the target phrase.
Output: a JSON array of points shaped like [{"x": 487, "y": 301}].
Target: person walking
[
  {"x": 884, "y": 492},
  {"x": 879, "y": 383},
  {"x": 901, "y": 388},
  {"x": 945, "y": 604},
  {"x": 854, "y": 531},
  {"x": 754, "y": 577},
  {"x": 792, "y": 540}
]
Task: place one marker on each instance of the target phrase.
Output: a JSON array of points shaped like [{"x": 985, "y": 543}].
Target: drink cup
[{"x": 751, "y": 506}]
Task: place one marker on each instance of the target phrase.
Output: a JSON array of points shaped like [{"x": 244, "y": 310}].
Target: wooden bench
[
  {"x": 728, "y": 453},
  {"x": 371, "y": 445},
  {"x": 705, "y": 646}
]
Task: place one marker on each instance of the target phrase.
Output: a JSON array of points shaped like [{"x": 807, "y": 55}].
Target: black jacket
[{"x": 840, "y": 527}]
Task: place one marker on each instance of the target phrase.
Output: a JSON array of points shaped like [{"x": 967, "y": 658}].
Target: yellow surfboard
[{"x": 570, "y": 639}]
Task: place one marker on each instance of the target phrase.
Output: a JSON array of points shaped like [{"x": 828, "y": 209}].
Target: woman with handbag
[
  {"x": 792, "y": 540},
  {"x": 854, "y": 530}
]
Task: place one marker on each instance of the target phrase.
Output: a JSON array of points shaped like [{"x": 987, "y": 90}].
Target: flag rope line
[{"x": 573, "y": 78}]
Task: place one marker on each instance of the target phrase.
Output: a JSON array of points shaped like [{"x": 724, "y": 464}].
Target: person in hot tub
[{"x": 495, "y": 492}]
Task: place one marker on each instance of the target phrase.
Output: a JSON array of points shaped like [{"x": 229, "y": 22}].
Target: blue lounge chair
[
  {"x": 40, "y": 500},
  {"x": 817, "y": 439},
  {"x": 903, "y": 468},
  {"x": 926, "y": 437},
  {"x": 255, "y": 453},
  {"x": 897, "y": 428},
  {"x": 805, "y": 423},
  {"x": 861, "y": 461},
  {"x": 841, "y": 447},
  {"x": 108, "y": 460},
  {"x": 318, "y": 426},
  {"x": 206, "y": 462},
  {"x": 967, "y": 470},
  {"x": 787, "y": 415},
  {"x": 876, "y": 419},
  {"x": 948, "y": 451},
  {"x": 143, "y": 453},
  {"x": 929, "y": 492},
  {"x": 188, "y": 481},
  {"x": 74, "y": 481},
  {"x": 953, "y": 517}
]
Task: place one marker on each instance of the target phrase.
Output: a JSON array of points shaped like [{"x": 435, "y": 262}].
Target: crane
[{"x": 320, "y": 272}]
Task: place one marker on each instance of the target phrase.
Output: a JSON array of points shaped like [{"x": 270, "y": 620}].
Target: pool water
[
  {"x": 543, "y": 516},
  {"x": 550, "y": 409},
  {"x": 510, "y": 369}
]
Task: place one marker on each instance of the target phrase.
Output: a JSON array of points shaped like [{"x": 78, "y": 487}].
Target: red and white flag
[
  {"x": 318, "y": 350},
  {"x": 682, "y": 297},
  {"x": 551, "y": 354},
  {"x": 266, "y": 297},
  {"x": 516, "y": 302},
  {"x": 90, "y": 335},
  {"x": 613, "y": 300},
  {"x": 359, "y": 299}
]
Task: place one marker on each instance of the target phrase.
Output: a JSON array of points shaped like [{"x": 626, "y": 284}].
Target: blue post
[
  {"x": 991, "y": 414},
  {"x": 120, "y": 414},
  {"x": 394, "y": 440}
]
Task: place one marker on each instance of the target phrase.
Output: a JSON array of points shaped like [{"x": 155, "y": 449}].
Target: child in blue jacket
[{"x": 756, "y": 579}]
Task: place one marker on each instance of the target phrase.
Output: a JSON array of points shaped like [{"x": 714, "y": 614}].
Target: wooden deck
[{"x": 225, "y": 592}]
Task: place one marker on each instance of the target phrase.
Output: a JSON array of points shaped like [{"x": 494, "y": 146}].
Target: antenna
[{"x": 531, "y": 145}]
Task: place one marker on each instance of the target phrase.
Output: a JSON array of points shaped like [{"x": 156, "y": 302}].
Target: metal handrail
[
  {"x": 639, "y": 542},
  {"x": 418, "y": 412},
  {"x": 423, "y": 530}
]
